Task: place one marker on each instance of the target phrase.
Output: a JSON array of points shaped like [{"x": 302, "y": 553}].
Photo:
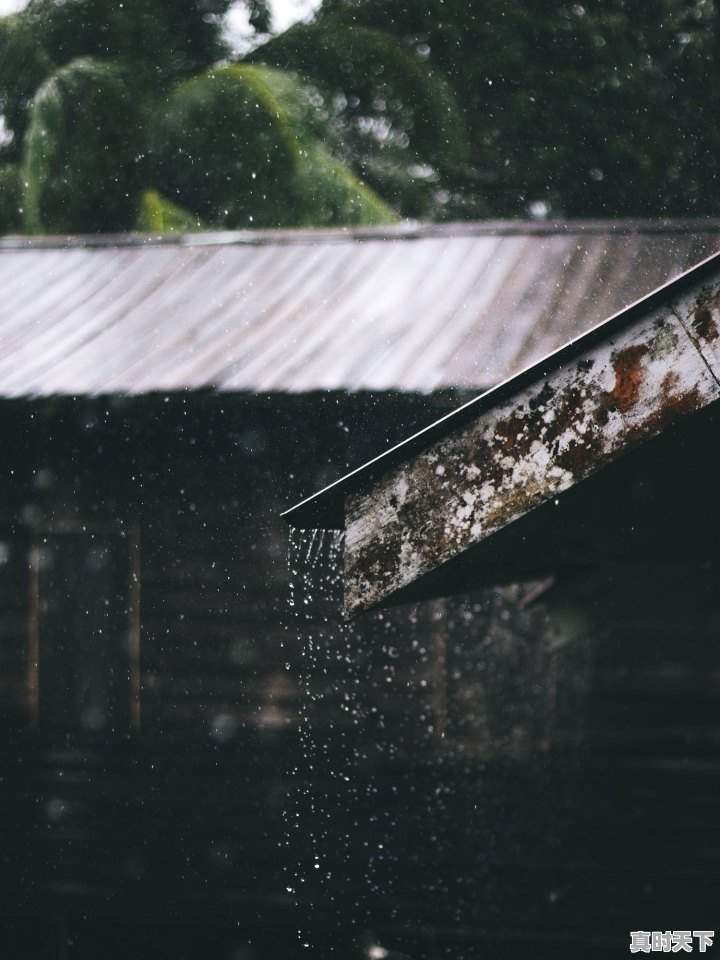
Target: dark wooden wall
[{"x": 527, "y": 771}]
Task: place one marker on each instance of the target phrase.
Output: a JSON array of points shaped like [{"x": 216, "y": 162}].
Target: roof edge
[
  {"x": 325, "y": 509},
  {"x": 408, "y": 230}
]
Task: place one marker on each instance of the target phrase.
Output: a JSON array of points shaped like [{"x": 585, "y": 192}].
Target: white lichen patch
[{"x": 516, "y": 456}]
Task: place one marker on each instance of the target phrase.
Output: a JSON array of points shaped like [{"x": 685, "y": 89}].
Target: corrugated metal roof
[{"x": 410, "y": 308}]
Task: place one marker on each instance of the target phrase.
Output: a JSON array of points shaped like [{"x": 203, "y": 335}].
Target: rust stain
[
  {"x": 554, "y": 435},
  {"x": 669, "y": 383},
  {"x": 672, "y": 408},
  {"x": 703, "y": 319},
  {"x": 429, "y": 524},
  {"x": 628, "y": 368}
]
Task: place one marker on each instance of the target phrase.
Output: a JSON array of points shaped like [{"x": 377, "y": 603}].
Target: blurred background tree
[
  {"x": 599, "y": 108},
  {"x": 141, "y": 115},
  {"x": 122, "y": 116}
]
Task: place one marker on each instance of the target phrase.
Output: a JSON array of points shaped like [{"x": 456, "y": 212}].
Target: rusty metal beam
[{"x": 618, "y": 387}]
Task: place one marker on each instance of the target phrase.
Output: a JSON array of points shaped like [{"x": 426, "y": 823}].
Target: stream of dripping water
[
  {"x": 409, "y": 725},
  {"x": 318, "y": 635}
]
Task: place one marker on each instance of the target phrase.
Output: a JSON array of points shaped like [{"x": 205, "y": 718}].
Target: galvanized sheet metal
[
  {"x": 539, "y": 442},
  {"x": 406, "y": 308}
]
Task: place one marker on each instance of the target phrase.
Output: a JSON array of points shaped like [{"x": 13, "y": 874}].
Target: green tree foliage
[
  {"x": 222, "y": 143},
  {"x": 158, "y": 215},
  {"x": 399, "y": 120},
  {"x": 443, "y": 109},
  {"x": 226, "y": 140},
  {"x": 329, "y": 194},
  {"x": 159, "y": 42},
  {"x": 80, "y": 151},
  {"x": 167, "y": 40},
  {"x": 592, "y": 108},
  {"x": 117, "y": 122},
  {"x": 23, "y": 67},
  {"x": 10, "y": 198}
]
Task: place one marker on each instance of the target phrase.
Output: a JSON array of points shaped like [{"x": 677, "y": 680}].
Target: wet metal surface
[
  {"x": 536, "y": 444},
  {"x": 411, "y": 308}
]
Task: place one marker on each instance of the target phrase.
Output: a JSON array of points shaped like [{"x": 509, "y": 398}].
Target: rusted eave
[
  {"x": 545, "y": 431},
  {"x": 326, "y": 508}
]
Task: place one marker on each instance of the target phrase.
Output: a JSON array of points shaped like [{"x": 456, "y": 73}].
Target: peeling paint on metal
[{"x": 537, "y": 444}]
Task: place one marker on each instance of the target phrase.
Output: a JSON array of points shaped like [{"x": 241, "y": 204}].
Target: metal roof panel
[{"x": 403, "y": 308}]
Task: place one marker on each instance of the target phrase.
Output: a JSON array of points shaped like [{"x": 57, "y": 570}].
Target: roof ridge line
[{"x": 408, "y": 230}]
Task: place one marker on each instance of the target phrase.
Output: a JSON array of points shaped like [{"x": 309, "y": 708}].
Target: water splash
[{"x": 410, "y": 724}]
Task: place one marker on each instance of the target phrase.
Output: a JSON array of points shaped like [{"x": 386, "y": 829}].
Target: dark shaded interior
[{"x": 520, "y": 771}]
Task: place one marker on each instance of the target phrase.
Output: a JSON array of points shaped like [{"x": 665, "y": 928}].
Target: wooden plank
[{"x": 539, "y": 442}]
